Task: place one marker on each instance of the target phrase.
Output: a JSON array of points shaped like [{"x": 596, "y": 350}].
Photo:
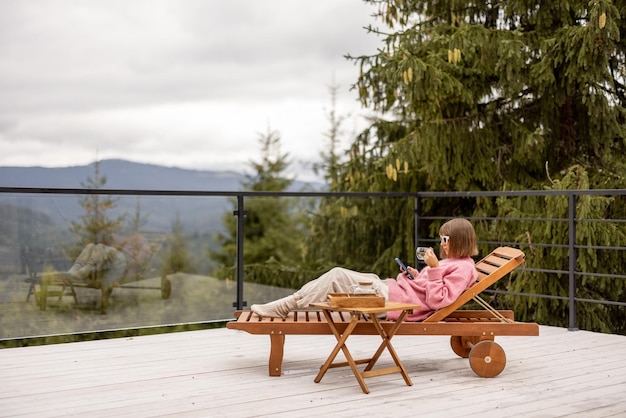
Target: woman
[
  {"x": 109, "y": 264},
  {"x": 436, "y": 286}
]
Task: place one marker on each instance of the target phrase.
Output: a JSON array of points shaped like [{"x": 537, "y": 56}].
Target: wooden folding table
[{"x": 356, "y": 313}]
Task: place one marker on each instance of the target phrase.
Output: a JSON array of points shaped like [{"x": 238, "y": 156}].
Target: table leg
[
  {"x": 387, "y": 344},
  {"x": 341, "y": 345}
]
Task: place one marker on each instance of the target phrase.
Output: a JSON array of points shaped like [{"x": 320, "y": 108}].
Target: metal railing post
[
  {"x": 240, "y": 213},
  {"x": 416, "y": 212},
  {"x": 572, "y": 261}
]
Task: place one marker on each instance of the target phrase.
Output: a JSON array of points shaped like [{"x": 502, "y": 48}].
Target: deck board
[{"x": 221, "y": 372}]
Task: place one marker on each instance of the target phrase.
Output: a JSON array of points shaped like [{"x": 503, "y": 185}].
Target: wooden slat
[
  {"x": 220, "y": 372},
  {"x": 509, "y": 252},
  {"x": 486, "y": 267},
  {"x": 514, "y": 258},
  {"x": 476, "y": 323},
  {"x": 495, "y": 259}
]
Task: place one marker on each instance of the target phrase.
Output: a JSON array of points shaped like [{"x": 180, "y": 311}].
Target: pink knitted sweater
[{"x": 433, "y": 288}]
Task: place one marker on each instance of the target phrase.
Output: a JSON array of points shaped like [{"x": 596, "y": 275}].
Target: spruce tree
[
  {"x": 480, "y": 95},
  {"x": 472, "y": 96},
  {"x": 176, "y": 257},
  {"x": 273, "y": 227},
  {"x": 330, "y": 156},
  {"x": 96, "y": 226}
]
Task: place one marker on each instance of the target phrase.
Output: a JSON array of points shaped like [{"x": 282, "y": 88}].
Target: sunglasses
[{"x": 444, "y": 239}]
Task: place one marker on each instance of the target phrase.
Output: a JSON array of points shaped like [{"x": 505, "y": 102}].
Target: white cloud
[{"x": 187, "y": 83}]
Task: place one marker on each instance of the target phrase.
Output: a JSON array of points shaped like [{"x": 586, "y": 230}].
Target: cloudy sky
[{"x": 184, "y": 83}]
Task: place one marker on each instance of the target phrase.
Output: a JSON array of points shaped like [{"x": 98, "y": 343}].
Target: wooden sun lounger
[
  {"x": 60, "y": 284},
  {"x": 472, "y": 331}
]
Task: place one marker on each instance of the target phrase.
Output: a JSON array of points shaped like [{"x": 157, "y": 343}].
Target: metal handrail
[{"x": 240, "y": 213}]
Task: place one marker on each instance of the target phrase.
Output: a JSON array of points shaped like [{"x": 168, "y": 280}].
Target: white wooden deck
[{"x": 223, "y": 373}]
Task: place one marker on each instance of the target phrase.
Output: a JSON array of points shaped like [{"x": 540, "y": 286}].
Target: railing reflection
[{"x": 35, "y": 223}]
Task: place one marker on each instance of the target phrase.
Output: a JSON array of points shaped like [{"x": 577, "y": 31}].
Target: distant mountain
[
  {"x": 121, "y": 174},
  {"x": 196, "y": 214}
]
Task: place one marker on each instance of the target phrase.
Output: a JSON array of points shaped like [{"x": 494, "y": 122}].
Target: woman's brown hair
[{"x": 462, "y": 238}]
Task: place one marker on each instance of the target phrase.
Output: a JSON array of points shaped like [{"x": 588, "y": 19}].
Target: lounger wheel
[
  {"x": 463, "y": 345},
  {"x": 487, "y": 358},
  {"x": 166, "y": 288}
]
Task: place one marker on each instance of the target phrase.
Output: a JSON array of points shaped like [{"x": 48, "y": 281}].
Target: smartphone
[{"x": 403, "y": 267}]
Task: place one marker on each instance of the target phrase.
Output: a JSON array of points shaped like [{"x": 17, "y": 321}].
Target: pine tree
[
  {"x": 176, "y": 257},
  {"x": 480, "y": 95},
  {"x": 476, "y": 96},
  {"x": 95, "y": 225},
  {"x": 330, "y": 156},
  {"x": 273, "y": 228},
  {"x": 358, "y": 233},
  {"x": 138, "y": 221}
]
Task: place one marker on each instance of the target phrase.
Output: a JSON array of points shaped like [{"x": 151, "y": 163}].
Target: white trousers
[{"x": 337, "y": 280}]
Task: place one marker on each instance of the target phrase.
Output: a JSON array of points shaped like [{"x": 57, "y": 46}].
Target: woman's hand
[
  {"x": 431, "y": 259},
  {"x": 413, "y": 271}
]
